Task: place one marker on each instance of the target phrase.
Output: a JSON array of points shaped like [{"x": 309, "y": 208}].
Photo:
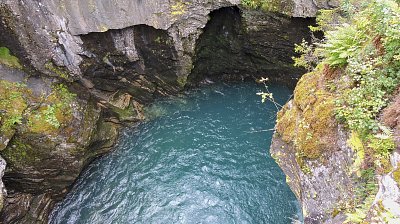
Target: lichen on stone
[{"x": 179, "y": 7}]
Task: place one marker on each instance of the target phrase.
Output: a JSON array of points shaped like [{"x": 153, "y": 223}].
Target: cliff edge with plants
[{"x": 338, "y": 139}]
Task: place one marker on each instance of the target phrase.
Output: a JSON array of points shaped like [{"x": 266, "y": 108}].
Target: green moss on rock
[
  {"x": 18, "y": 151},
  {"x": 287, "y": 122},
  {"x": 13, "y": 102},
  {"x": 41, "y": 115},
  {"x": 7, "y": 59},
  {"x": 309, "y": 123},
  {"x": 396, "y": 176},
  {"x": 57, "y": 71},
  {"x": 54, "y": 112}
]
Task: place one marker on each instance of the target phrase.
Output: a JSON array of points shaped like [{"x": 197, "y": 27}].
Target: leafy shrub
[
  {"x": 342, "y": 43},
  {"x": 307, "y": 58},
  {"x": 370, "y": 47}
]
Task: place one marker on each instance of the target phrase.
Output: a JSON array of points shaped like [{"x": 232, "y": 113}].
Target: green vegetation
[
  {"x": 365, "y": 196},
  {"x": 44, "y": 115},
  {"x": 55, "y": 111},
  {"x": 365, "y": 52},
  {"x": 313, "y": 128},
  {"x": 19, "y": 152},
  {"x": 12, "y": 105},
  {"x": 7, "y": 59},
  {"x": 368, "y": 50},
  {"x": 285, "y": 7},
  {"x": 179, "y": 8},
  {"x": 50, "y": 116},
  {"x": 396, "y": 175},
  {"x": 369, "y": 47},
  {"x": 307, "y": 58},
  {"x": 359, "y": 64},
  {"x": 182, "y": 80},
  {"x": 58, "y": 71}
]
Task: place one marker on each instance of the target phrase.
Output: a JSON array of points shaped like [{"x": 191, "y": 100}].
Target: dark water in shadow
[{"x": 203, "y": 158}]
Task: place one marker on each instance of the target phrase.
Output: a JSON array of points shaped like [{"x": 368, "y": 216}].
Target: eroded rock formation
[{"x": 117, "y": 55}]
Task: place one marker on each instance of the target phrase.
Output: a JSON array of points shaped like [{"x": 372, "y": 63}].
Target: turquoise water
[{"x": 202, "y": 158}]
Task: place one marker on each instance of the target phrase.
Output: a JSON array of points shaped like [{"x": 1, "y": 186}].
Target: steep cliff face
[
  {"x": 338, "y": 139},
  {"x": 312, "y": 150},
  {"x": 112, "y": 57},
  {"x": 48, "y": 135},
  {"x": 321, "y": 161},
  {"x": 63, "y": 38},
  {"x": 54, "y": 28}
]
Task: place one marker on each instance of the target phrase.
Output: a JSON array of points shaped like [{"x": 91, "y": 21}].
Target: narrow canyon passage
[{"x": 201, "y": 158}]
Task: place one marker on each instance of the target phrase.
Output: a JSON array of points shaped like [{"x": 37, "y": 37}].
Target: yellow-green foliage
[
  {"x": 382, "y": 144},
  {"x": 355, "y": 142},
  {"x": 285, "y": 7},
  {"x": 325, "y": 19},
  {"x": 7, "y": 59},
  {"x": 179, "y": 7},
  {"x": 363, "y": 51},
  {"x": 357, "y": 145},
  {"x": 13, "y": 103},
  {"x": 61, "y": 73},
  {"x": 307, "y": 58},
  {"x": 54, "y": 112},
  {"x": 396, "y": 175},
  {"x": 368, "y": 46},
  {"x": 51, "y": 113}
]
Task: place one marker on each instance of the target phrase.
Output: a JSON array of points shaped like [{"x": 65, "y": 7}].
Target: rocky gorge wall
[
  {"x": 337, "y": 140},
  {"x": 89, "y": 66},
  {"x": 323, "y": 168}
]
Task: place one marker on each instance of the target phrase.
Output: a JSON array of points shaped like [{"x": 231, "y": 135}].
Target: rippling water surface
[{"x": 202, "y": 158}]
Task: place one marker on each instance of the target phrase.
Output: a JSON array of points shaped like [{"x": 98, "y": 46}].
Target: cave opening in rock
[
  {"x": 143, "y": 63},
  {"x": 203, "y": 156},
  {"x": 236, "y": 45}
]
